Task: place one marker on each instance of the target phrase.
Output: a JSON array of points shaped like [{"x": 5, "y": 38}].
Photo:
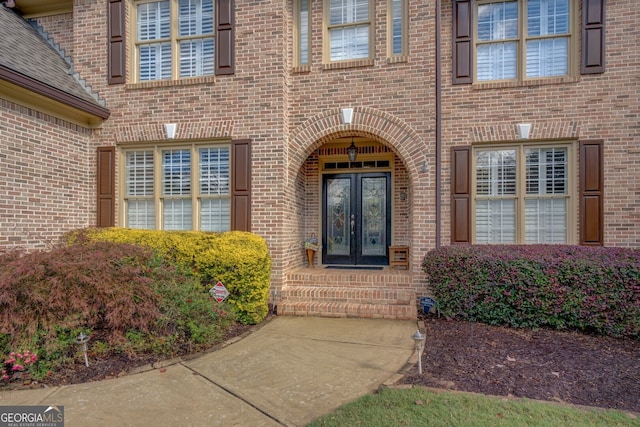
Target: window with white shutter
[
  {"x": 214, "y": 182},
  {"x": 397, "y": 18},
  {"x": 349, "y": 29},
  {"x": 139, "y": 200},
  {"x": 523, "y": 39},
  {"x": 185, "y": 187},
  {"x": 302, "y": 34},
  {"x": 174, "y": 39},
  {"x": 522, "y": 194}
]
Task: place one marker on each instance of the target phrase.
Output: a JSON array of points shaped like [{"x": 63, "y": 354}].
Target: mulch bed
[
  {"x": 565, "y": 367},
  {"x": 102, "y": 368},
  {"x": 549, "y": 365}
]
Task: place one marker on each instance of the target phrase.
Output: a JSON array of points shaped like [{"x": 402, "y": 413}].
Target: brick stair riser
[
  {"x": 369, "y": 311},
  {"x": 344, "y": 295}
]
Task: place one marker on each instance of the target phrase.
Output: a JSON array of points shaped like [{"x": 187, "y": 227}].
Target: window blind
[{"x": 139, "y": 189}]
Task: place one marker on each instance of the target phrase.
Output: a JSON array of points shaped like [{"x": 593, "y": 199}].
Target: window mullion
[
  {"x": 175, "y": 47},
  {"x": 522, "y": 40},
  {"x": 157, "y": 186},
  {"x": 521, "y": 182},
  {"x": 195, "y": 188}
]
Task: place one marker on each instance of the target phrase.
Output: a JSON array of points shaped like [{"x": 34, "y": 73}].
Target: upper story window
[
  {"x": 174, "y": 39},
  {"x": 397, "y": 18},
  {"x": 302, "y": 27},
  {"x": 523, "y": 39},
  {"x": 348, "y": 29},
  {"x": 170, "y": 40}
]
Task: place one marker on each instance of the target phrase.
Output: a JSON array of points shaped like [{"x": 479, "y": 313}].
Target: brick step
[
  {"x": 338, "y": 309},
  {"x": 350, "y": 278},
  {"x": 345, "y": 294},
  {"x": 387, "y": 294},
  {"x": 346, "y": 301}
]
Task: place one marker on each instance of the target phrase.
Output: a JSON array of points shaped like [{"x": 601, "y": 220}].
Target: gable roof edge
[
  {"x": 45, "y": 36},
  {"x": 50, "y": 92}
]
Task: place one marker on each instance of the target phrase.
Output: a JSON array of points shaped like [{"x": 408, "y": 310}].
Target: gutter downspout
[{"x": 438, "y": 125}]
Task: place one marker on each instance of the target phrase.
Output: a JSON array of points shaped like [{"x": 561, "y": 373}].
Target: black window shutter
[
  {"x": 593, "y": 29},
  {"x": 116, "y": 56},
  {"x": 591, "y": 193},
  {"x": 241, "y": 185},
  {"x": 462, "y": 49},
  {"x": 224, "y": 37},
  {"x": 105, "y": 184},
  {"x": 460, "y": 195}
]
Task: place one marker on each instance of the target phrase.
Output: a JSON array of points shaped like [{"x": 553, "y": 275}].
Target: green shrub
[
  {"x": 239, "y": 260},
  {"x": 563, "y": 287}
]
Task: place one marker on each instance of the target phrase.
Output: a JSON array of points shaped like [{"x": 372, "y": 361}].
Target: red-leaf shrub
[
  {"x": 591, "y": 289},
  {"x": 102, "y": 285},
  {"x": 127, "y": 298}
]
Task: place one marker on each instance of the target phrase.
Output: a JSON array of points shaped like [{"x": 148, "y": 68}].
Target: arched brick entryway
[{"x": 394, "y": 290}]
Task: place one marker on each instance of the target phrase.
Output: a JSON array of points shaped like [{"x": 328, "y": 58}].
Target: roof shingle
[{"x": 26, "y": 52}]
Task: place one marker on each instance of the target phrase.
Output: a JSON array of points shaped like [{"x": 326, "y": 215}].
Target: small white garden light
[
  {"x": 419, "y": 339},
  {"x": 82, "y": 341}
]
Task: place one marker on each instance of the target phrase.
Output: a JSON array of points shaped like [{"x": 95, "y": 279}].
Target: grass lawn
[{"x": 423, "y": 407}]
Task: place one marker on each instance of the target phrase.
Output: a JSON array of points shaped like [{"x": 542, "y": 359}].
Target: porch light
[
  {"x": 352, "y": 151},
  {"x": 170, "y": 130},
  {"x": 347, "y": 115}
]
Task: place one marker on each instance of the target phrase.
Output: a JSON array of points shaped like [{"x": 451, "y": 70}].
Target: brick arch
[{"x": 369, "y": 122}]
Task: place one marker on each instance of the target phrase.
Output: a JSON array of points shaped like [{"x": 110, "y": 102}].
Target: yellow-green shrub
[{"x": 239, "y": 260}]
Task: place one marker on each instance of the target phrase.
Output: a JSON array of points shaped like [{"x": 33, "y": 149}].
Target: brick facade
[
  {"x": 290, "y": 113},
  {"x": 588, "y": 107},
  {"x": 46, "y": 172}
]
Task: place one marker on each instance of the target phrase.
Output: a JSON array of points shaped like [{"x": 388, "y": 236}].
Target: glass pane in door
[
  {"x": 338, "y": 216},
  {"x": 374, "y": 216}
]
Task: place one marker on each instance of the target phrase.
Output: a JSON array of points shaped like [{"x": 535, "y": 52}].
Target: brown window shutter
[
  {"x": 224, "y": 37},
  {"x": 241, "y": 185},
  {"x": 591, "y": 193},
  {"x": 460, "y": 195},
  {"x": 593, "y": 18},
  {"x": 106, "y": 187},
  {"x": 117, "y": 59},
  {"x": 462, "y": 49}
]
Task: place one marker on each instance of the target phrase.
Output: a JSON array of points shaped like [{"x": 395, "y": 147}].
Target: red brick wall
[
  {"x": 393, "y": 105},
  {"x": 600, "y": 106},
  {"x": 60, "y": 29},
  {"x": 289, "y": 113},
  {"x": 44, "y": 178}
]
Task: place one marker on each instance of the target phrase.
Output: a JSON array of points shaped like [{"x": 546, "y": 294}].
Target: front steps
[{"x": 371, "y": 294}]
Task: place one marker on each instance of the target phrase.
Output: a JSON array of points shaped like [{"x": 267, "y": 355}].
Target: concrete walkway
[{"x": 287, "y": 373}]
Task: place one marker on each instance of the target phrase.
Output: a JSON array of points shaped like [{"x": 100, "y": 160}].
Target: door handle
[{"x": 353, "y": 224}]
